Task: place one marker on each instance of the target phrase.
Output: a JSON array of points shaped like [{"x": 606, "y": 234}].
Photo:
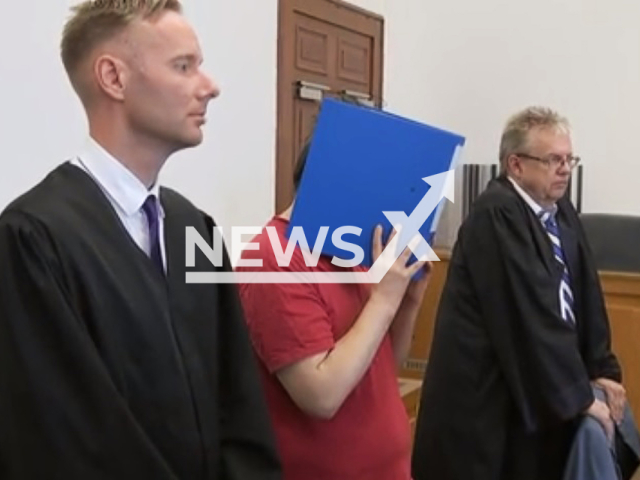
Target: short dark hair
[{"x": 301, "y": 162}]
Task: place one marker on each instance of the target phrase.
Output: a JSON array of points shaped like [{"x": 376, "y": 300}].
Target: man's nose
[{"x": 210, "y": 89}]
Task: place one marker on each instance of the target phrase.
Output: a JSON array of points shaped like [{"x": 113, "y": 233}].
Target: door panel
[{"x": 333, "y": 45}]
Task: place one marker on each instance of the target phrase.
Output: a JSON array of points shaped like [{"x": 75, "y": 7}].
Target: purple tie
[{"x": 150, "y": 207}]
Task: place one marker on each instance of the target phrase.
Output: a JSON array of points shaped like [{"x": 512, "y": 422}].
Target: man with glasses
[{"x": 521, "y": 359}]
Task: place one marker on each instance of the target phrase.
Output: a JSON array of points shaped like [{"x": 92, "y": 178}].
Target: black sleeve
[
  {"x": 596, "y": 346},
  {"x": 537, "y": 350},
  {"x": 60, "y": 415},
  {"x": 247, "y": 440},
  {"x": 595, "y": 329}
]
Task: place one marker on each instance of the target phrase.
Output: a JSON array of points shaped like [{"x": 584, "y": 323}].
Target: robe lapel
[
  {"x": 569, "y": 241},
  {"x": 174, "y": 242},
  {"x": 540, "y": 237},
  {"x": 543, "y": 243}
]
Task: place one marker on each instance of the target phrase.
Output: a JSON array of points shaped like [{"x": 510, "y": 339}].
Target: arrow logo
[
  {"x": 408, "y": 235},
  {"x": 408, "y": 227}
]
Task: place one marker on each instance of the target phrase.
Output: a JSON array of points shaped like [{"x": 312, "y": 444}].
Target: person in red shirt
[{"x": 329, "y": 355}]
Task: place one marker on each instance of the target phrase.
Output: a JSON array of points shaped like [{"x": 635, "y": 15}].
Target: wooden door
[{"x": 325, "y": 48}]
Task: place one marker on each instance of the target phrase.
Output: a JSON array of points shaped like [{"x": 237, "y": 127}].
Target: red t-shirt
[{"x": 369, "y": 437}]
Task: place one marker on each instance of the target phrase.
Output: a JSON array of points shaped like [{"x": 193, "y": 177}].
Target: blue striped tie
[{"x": 566, "y": 294}]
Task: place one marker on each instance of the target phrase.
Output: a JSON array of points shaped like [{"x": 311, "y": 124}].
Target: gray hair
[{"x": 516, "y": 132}]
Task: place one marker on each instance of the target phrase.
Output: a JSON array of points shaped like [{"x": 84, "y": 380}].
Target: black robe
[
  {"x": 507, "y": 377},
  {"x": 110, "y": 370}
]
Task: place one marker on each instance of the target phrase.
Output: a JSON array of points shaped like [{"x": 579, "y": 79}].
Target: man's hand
[
  {"x": 601, "y": 412},
  {"x": 616, "y": 397},
  {"x": 320, "y": 383},
  {"x": 391, "y": 290}
]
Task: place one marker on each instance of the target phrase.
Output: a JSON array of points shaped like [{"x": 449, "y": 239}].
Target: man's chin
[
  {"x": 192, "y": 140},
  {"x": 558, "y": 192}
]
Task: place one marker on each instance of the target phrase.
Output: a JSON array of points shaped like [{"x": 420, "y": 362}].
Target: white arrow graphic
[{"x": 408, "y": 227}]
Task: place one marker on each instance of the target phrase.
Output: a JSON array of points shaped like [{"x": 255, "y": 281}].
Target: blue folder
[{"x": 363, "y": 162}]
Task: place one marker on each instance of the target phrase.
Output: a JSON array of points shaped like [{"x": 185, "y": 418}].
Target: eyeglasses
[{"x": 553, "y": 161}]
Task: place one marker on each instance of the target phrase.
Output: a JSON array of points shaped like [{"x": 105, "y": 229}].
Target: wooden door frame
[{"x": 286, "y": 89}]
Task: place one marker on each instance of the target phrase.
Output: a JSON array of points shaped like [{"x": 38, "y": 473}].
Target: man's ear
[
  {"x": 111, "y": 75},
  {"x": 514, "y": 165}
]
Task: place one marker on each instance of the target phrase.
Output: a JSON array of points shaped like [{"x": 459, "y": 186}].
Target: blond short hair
[
  {"x": 96, "y": 21},
  {"x": 516, "y": 132}
]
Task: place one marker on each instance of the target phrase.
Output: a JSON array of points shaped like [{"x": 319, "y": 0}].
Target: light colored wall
[
  {"x": 231, "y": 175},
  {"x": 461, "y": 64},
  {"x": 468, "y": 64}
]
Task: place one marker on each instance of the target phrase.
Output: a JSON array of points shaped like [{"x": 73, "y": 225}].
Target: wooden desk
[
  {"x": 410, "y": 393},
  {"x": 423, "y": 332},
  {"x": 622, "y": 296}
]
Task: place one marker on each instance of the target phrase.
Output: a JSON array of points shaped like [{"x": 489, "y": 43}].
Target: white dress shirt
[{"x": 125, "y": 192}]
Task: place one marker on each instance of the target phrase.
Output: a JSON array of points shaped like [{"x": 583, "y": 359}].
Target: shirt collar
[
  {"x": 535, "y": 206},
  {"x": 117, "y": 181}
]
